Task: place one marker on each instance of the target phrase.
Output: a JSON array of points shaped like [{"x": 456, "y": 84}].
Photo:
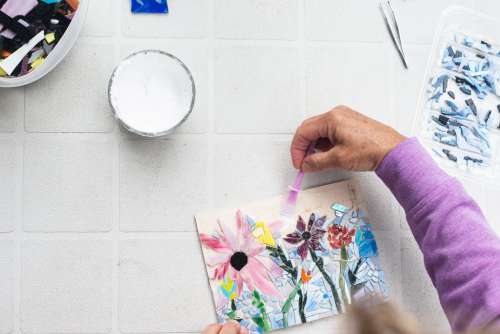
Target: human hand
[
  {"x": 344, "y": 139},
  {"x": 231, "y": 327}
]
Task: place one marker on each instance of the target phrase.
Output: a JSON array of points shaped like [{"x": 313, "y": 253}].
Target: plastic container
[
  {"x": 465, "y": 146},
  {"x": 60, "y": 51}
]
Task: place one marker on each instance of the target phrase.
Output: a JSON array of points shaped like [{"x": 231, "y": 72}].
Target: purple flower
[{"x": 307, "y": 237}]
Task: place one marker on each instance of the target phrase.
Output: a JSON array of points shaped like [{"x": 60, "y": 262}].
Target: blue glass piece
[
  {"x": 339, "y": 207},
  {"x": 366, "y": 243},
  {"x": 149, "y": 6}
]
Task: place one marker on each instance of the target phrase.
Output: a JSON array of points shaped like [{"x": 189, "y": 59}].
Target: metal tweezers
[{"x": 393, "y": 29}]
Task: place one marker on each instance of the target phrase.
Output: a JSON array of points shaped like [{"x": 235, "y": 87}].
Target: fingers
[
  {"x": 311, "y": 130},
  {"x": 324, "y": 144},
  {"x": 212, "y": 329},
  {"x": 322, "y": 160},
  {"x": 231, "y": 327}
]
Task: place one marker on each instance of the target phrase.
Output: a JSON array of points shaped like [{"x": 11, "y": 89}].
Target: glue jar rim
[{"x": 164, "y": 132}]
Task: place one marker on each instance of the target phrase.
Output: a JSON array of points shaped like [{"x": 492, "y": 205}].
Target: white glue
[{"x": 151, "y": 92}]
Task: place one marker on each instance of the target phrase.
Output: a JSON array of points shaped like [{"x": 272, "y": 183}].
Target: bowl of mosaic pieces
[
  {"x": 35, "y": 36},
  {"x": 458, "y": 116}
]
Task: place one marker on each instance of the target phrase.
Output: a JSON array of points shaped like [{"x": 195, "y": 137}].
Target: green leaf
[
  {"x": 288, "y": 303},
  {"x": 258, "y": 321}
]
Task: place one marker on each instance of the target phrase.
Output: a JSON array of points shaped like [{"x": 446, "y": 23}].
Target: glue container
[
  {"x": 458, "y": 113},
  {"x": 151, "y": 93}
]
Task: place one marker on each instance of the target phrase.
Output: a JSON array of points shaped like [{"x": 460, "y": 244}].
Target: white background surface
[{"x": 96, "y": 229}]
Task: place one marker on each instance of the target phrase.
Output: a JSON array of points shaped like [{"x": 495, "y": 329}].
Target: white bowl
[
  {"x": 58, "y": 53},
  {"x": 151, "y": 93}
]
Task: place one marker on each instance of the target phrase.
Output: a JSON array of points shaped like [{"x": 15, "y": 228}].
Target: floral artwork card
[{"x": 270, "y": 272}]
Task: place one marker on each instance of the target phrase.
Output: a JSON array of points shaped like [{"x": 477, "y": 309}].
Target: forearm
[{"x": 461, "y": 253}]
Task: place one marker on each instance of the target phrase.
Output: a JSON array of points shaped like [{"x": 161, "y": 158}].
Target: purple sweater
[{"x": 461, "y": 252}]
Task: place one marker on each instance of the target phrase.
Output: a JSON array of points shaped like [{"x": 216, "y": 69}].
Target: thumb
[
  {"x": 231, "y": 327},
  {"x": 322, "y": 160}
]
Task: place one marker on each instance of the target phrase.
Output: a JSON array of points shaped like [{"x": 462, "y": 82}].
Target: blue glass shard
[
  {"x": 150, "y": 6},
  {"x": 339, "y": 207},
  {"x": 366, "y": 243}
]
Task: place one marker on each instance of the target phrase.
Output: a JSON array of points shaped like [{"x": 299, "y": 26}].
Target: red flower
[{"x": 339, "y": 236}]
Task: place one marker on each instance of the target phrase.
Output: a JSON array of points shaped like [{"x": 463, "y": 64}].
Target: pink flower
[{"x": 240, "y": 257}]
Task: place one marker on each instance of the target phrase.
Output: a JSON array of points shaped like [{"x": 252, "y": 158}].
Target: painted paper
[{"x": 268, "y": 272}]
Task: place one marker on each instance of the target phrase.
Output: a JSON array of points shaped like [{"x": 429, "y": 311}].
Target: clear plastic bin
[
  {"x": 458, "y": 113},
  {"x": 57, "y": 55}
]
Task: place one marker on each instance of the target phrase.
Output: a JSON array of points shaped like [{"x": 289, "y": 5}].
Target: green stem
[
  {"x": 319, "y": 263},
  {"x": 263, "y": 320},
  {"x": 301, "y": 307},
  {"x": 343, "y": 268},
  {"x": 285, "y": 320},
  {"x": 293, "y": 274}
]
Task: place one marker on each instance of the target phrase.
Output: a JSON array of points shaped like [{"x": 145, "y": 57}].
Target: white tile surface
[
  {"x": 260, "y": 67},
  {"x": 419, "y": 295},
  {"x": 408, "y": 85},
  {"x": 12, "y": 105},
  {"x": 6, "y": 286},
  {"x": 100, "y": 18},
  {"x": 417, "y": 19},
  {"x": 73, "y": 98},
  {"x": 195, "y": 56},
  {"x": 187, "y": 18},
  {"x": 66, "y": 286},
  {"x": 489, "y": 7},
  {"x": 67, "y": 183},
  {"x": 167, "y": 292},
  {"x": 259, "y": 98},
  {"x": 8, "y": 177},
  {"x": 490, "y": 206},
  {"x": 256, "y": 19},
  {"x": 344, "y": 20},
  {"x": 356, "y": 76},
  {"x": 163, "y": 184},
  {"x": 267, "y": 160}
]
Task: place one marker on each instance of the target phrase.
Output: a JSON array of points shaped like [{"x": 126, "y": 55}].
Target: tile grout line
[
  {"x": 302, "y": 61},
  {"x": 211, "y": 113},
  {"x": 115, "y": 232},
  {"x": 17, "y": 231}
]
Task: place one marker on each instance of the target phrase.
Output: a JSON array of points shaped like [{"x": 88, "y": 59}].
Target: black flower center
[
  {"x": 306, "y": 235},
  {"x": 239, "y": 260}
]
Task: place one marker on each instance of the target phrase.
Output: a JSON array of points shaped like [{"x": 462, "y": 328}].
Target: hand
[
  {"x": 231, "y": 327},
  {"x": 344, "y": 139}
]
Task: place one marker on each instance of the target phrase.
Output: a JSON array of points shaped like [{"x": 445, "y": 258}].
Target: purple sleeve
[{"x": 461, "y": 252}]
